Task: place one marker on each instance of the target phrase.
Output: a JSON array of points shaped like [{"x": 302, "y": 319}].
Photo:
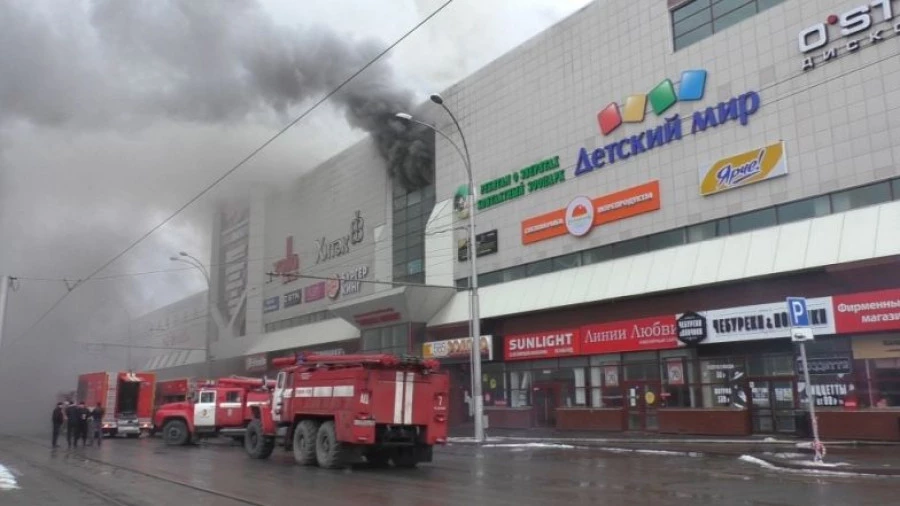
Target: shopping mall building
[{"x": 653, "y": 180}]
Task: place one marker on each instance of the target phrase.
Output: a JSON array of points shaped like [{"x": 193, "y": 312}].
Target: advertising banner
[
  {"x": 557, "y": 343},
  {"x": 656, "y": 333},
  {"x": 765, "y": 321},
  {"x": 744, "y": 169},
  {"x": 582, "y": 213},
  {"x": 867, "y": 311},
  {"x": 876, "y": 347},
  {"x": 458, "y": 348}
]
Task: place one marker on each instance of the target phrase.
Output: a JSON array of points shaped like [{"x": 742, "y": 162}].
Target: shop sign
[
  {"x": 458, "y": 348},
  {"x": 288, "y": 268},
  {"x": 661, "y": 98},
  {"x": 271, "y": 304},
  {"x": 255, "y": 363},
  {"x": 557, "y": 343},
  {"x": 875, "y": 16},
  {"x": 675, "y": 371},
  {"x": 867, "y": 312},
  {"x": 630, "y": 335},
  {"x": 826, "y": 395},
  {"x": 582, "y": 213},
  {"x": 765, "y": 321},
  {"x": 744, "y": 169},
  {"x": 487, "y": 245},
  {"x": 314, "y": 292},
  {"x": 292, "y": 298},
  {"x": 328, "y": 250},
  {"x": 346, "y": 283},
  {"x": 824, "y": 365},
  {"x": 690, "y": 328},
  {"x": 876, "y": 347},
  {"x": 519, "y": 183}
]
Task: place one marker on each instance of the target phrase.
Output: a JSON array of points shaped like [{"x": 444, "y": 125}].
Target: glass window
[
  {"x": 692, "y": 22},
  {"x": 765, "y": 4},
  {"x": 490, "y": 278},
  {"x": 665, "y": 239},
  {"x": 567, "y": 261},
  {"x": 860, "y": 197},
  {"x": 463, "y": 283},
  {"x": 414, "y": 197},
  {"x": 721, "y": 7},
  {"x": 753, "y": 220},
  {"x": 630, "y": 247},
  {"x": 895, "y": 186},
  {"x": 514, "y": 273},
  {"x": 689, "y": 38},
  {"x": 207, "y": 397},
  {"x": 735, "y": 16},
  {"x": 804, "y": 209},
  {"x": 232, "y": 397},
  {"x": 415, "y": 239},
  {"x": 537, "y": 268},
  {"x": 399, "y": 228},
  {"x": 399, "y": 257},
  {"x": 701, "y": 232},
  {"x": 414, "y": 266},
  {"x": 593, "y": 256},
  {"x": 400, "y": 202},
  {"x": 414, "y": 210},
  {"x": 689, "y": 9}
]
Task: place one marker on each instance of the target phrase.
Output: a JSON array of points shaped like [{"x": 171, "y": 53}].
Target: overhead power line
[{"x": 233, "y": 169}]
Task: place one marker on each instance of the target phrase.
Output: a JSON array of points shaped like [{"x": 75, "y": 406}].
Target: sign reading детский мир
[
  {"x": 744, "y": 169},
  {"x": 543, "y": 174}
]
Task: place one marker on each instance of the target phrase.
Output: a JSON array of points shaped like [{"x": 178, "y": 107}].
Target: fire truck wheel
[
  {"x": 175, "y": 433},
  {"x": 256, "y": 443},
  {"x": 305, "y": 443},
  {"x": 405, "y": 457},
  {"x": 329, "y": 451}
]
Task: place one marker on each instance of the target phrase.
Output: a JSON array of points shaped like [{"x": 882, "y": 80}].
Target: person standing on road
[
  {"x": 97, "y": 424},
  {"x": 58, "y": 418},
  {"x": 72, "y": 424},
  {"x": 83, "y": 420}
]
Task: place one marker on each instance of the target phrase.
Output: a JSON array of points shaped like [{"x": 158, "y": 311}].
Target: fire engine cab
[
  {"x": 220, "y": 408},
  {"x": 336, "y": 410}
]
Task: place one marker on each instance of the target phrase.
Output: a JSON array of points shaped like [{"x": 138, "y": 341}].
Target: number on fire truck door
[{"x": 205, "y": 409}]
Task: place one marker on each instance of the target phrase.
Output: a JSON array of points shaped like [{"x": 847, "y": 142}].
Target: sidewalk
[{"x": 783, "y": 452}]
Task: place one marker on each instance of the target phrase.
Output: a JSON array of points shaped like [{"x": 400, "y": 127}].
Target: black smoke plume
[{"x": 127, "y": 61}]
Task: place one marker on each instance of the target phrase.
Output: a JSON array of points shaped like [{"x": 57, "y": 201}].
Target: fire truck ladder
[{"x": 111, "y": 392}]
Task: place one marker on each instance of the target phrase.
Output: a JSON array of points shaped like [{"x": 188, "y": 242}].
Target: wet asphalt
[{"x": 141, "y": 472}]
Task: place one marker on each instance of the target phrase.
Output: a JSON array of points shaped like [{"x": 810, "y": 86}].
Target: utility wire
[{"x": 237, "y": 166}]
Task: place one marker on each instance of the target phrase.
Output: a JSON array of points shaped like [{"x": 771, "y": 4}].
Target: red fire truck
[
  {"x": 334, "y": 410},
  {"x": 220, "y": 407},
  {"x": 126, "y": 397}
]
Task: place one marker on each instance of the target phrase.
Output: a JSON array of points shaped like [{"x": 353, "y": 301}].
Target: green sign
[{"x": 543, "y": 174}]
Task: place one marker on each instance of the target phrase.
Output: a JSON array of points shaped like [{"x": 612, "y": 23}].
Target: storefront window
[
  {"x": 876, "y": 370},
  {"x": 723, "y": 382},
  {"x": 771, "y": 365}
]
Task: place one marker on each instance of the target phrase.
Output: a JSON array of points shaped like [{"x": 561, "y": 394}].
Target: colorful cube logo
[
  {"x": 693, "y": 82},
  {"x": 661, "y": 98},
  {"x": 609, "y": 118}
]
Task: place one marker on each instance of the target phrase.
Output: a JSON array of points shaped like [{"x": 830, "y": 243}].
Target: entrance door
[
  {"x": 773, "y": 405},
  {"x": 205, "y": 409},
  {"x": 547, "y": 396},
  {"x": 641, "y": 403}
]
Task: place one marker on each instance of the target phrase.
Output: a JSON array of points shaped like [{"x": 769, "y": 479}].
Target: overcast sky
[{"x": 113, "y": 113}]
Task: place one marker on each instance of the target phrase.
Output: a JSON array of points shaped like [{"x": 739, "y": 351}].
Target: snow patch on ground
[
  {"x": 7, "y": 480},
  {"x": 821, "y": 472},
  {"x": 530, "y": 445},
  {"x": 650, "y": 452}
]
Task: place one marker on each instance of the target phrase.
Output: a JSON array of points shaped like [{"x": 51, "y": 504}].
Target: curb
[{"x": 799, "y": 445}]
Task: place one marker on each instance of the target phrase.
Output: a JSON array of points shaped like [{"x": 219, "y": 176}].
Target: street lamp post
[
  {"x": 199, "y": 266},
  {"x": 474, "y": 307}
]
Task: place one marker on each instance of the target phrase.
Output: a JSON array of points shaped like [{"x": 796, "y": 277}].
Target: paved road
[{"x": 217, "y": 474}]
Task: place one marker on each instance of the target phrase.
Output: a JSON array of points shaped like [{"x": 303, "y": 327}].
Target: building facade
[{"x": 653, "y": 180}]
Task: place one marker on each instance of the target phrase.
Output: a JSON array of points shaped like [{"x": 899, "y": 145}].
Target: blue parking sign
[{"x": 798, "y": 312}]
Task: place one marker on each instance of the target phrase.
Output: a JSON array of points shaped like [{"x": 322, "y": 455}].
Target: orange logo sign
[{"x": 606, "y": 209}]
